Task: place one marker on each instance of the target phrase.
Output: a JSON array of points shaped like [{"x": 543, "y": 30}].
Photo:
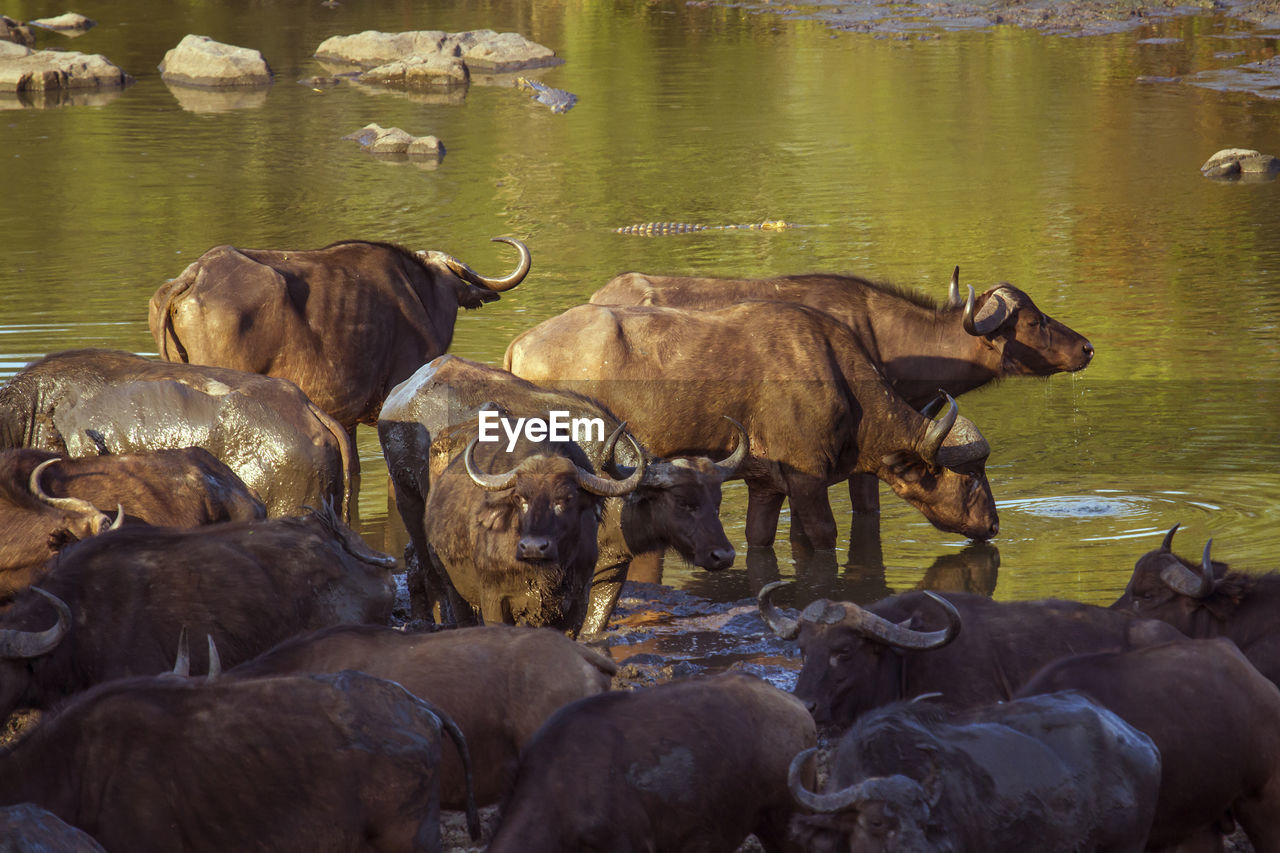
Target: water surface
[{"x": 1038, "y": 160}]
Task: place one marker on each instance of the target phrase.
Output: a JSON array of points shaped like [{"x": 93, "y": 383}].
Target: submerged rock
[
  {"x": 1235, "y": 162},
  {"x": 485, "y": 50},
  {"x": 201, "y": 61},
  {"x": 433, "y": 72},
  {"x": 65, "y": 21},
  {"x": 16, "y": 32},
  {"x": 392, "y": 140},
  {"x": 26, "y": 70}
]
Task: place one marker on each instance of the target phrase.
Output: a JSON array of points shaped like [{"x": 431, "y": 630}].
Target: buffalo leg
[
  {"x": 606, "y": 586},
  {"x": 864, "y": 494},
  {"x": 763, "y": 508},
  {"x": 811, "y": 511}
]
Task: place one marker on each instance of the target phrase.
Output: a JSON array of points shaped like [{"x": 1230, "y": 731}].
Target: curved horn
[
  {"x": 1183, "y": 581},
  {"x": 953, "y": 291},
  {"x": 96, "y": 518},
  {"x": 928, "y": 447},
  {"x": 115, "y": 525},
  {"x": 498, "y": 285},
  {"x": 994, "y": 312},
  {"x": 784, "y": 627},
  {"x": 606, "y": 487},
  {"x": 729, "y": 466},
  {"x": 33, "y": 644},
  {"x": 489, "y": 482},
  {"x": 821, "y": 803},
  {"x": 873, "y": 627},
  {"x": 608, "y": 463},
  {"x": 182, "y": 666},
  {"x": 1167, "y": 544}
]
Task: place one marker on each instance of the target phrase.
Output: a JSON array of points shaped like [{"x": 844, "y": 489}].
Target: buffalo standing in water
[
  {"x": 345, "y": 323},
  {"x": 920, "y": 345},
  {"x": 815, "y": 406},
  {"x": 675, "y": 506},
  {"x": 513, "y": 532}
]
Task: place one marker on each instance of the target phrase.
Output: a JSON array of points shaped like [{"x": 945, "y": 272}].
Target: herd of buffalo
[{"x": 207, "y": 645}]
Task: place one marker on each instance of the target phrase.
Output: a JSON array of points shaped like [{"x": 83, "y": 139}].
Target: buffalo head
[
  {"x": 20, "y": 647},
  {"x": 944, "y": 476},
  {"x": 853, "y": 657},
  {"x": 875, "y": 815},
  {"x": 473, "y": 289},
  {"x": 536, "y": 544},
  {"x": 680, "y": 497},
  {"x": 1030, "y": 342},
  {"x": 1167, "y": 587}
]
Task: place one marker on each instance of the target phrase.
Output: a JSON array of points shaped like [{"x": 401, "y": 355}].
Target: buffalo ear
[
  {"x": 495, "y": 514},
  {"x": 905, "y": 465},
  {"x": 470, "y": 296}
]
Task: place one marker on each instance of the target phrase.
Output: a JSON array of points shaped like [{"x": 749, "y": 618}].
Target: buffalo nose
[
  {"x": 1088, "y": 351},
  {"x": 722, "y": 558},
  {"x": 534, "y": 548}
]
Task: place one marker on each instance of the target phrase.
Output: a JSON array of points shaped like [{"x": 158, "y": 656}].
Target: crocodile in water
[
  {"x": 557, "y": 99},
  {"x": 660, "y": 229}
]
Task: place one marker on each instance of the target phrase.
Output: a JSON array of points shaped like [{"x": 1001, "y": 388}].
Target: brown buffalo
[
  {"x": 302, "y": 764},
  {"x": 856, "y": 658},
  {"x": 87, "y": 402},
  {"x": 112, "y": 605},
  {"x": 919, "y": 344},
  {"x": 675, "y": 506},
  {"x": 183, "y": 487},
  {"x": 346, "y": 323},
  {"x": 1050, "y": 774},
  {"x": 498, "y": 682},
  {"x": 815, "y": 406},
  {"x": 1208, "y": 600},
  {"x": 696, "y": 764},
  {"x": 33, "y": 524},
  {"x": 513, "y": 531},
  {"x": 1216, "y": 720}
]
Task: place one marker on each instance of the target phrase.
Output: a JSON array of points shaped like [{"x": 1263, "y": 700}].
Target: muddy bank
[{"x": 926, "y": 17}]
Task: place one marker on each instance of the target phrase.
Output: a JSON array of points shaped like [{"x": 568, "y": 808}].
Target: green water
[{"x": 1038, "y": 160}]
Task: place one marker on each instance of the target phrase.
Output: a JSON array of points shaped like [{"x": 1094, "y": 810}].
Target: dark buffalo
[
  {"x": 1208, "y": 600},
  {"x": 856, "y": 659},
  {"x": 30, "y": 829},
  {"x": 112, "y": 605},
  {"x": 815, "y": 407},
  {"x": 306, "y": 763},
  {"x": 33, "y": 524},
  {"x": 513, "y": 533},
  {"x": 180, "y": 487},
  {"x": 346, "y": 323},
  {"x": 52, "y": 501},
  {"x": 920, "y": 345},
  {"x": 697, "y": 764},
  {"x": 675, "y": 506},
  {"x": 1053, "y": 774},
  {"x": 1216, "y": 720},
  {"x": 499, "y": 683},
  {"x": 87, "y": 402}
]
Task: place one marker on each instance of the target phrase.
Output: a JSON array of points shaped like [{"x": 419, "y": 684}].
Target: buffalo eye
[
  {"x": 840, "y": 654},
  {"x": 559, "y": 507},
  {"x": 522, "y": 503}
]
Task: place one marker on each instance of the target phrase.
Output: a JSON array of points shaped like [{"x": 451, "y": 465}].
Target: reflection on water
[{"x": 1036, "y": 160}]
